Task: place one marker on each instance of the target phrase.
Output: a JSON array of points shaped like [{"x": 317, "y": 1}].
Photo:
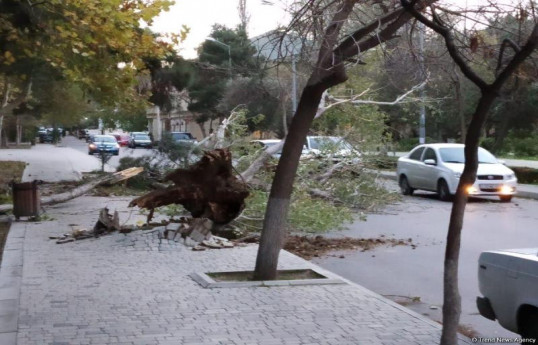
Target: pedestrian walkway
[
  {"x": 52, "y": 163},
  {"x": 134, "y": 289}
]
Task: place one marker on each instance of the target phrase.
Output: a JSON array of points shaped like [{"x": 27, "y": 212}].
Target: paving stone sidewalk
[{"x": 135, "y": 289}]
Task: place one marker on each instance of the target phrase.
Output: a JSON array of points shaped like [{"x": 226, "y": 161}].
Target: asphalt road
[
  {"x": 404, "y": 271},
  {"x": 82, "y": 146}
]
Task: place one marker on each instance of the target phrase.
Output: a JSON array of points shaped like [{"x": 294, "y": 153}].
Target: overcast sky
[{"x": 201, "y": 15}]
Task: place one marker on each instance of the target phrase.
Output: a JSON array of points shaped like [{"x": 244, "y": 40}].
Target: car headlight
[
  {"x": 457, "y": 174},
  {"x": 92, "y": 146},
  {"x": 117, "y": 146},
  {"x": 510, "y": 176}
]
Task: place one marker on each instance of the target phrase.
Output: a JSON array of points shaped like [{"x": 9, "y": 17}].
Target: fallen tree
[
  {"x": 208, "y": 189},
  {"x": 62, "y": 197}
]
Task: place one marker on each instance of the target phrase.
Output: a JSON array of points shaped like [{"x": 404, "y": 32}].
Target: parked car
[
  {"x": 90, "y": 133},
  {"x": 45, "y": 136},
  {"x": 122, "y": 139},
  {"x": 182, "y": 137},
  {"x": 140, "y": 140},
  {"x": 508, "y": 282},
  {"x": 336, "y": 148},
  {"x": 106, "y": 143},
  {"x": 438, "y": 167},
  {"x": 82, "y": 134}
]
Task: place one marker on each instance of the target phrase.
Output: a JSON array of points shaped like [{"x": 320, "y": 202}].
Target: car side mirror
[
  {"x": 500, "y": 161},
  {"x": 430, "y": 162}
]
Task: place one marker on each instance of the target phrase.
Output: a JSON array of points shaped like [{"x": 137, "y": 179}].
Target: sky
[{"x": 201, "y": 15}]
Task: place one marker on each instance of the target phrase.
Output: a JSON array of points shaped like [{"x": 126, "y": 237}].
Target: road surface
[{"x": 404, "y": 271}]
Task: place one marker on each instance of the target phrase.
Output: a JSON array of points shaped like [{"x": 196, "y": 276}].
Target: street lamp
[{"x": 229, "y": 53}]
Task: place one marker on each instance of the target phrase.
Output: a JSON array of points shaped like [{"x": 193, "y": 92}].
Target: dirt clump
[{"x": 309, "y": 247}]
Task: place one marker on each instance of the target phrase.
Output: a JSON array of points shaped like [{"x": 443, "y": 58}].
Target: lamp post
[{"x": 229, "y": 53}]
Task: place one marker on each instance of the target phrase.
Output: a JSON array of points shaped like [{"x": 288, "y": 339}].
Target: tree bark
[
  {"x": 451, "y": 295},
  {"x": 7, "y": 91},
  {"x": 275, "y": 220}
]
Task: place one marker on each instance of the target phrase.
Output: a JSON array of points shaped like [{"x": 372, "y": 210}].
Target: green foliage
[
  {"x": 305, "y": 214},
  {"x": 258, "y": 98},
  {"x": 521, "y": 144},
  {"x": 526, "y": 175},
  {"x": 182, "y": 153},
  {"x": 213, "y": 73},
  {"x": 363, "y": 126}
]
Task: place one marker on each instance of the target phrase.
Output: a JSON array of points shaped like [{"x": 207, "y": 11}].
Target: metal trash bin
[{"x": 26, "y": 201}]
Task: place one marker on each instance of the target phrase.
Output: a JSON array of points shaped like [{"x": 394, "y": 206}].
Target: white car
[
  {"x": 508, "y": 282},
  {"x": 326, "y": 146},
  {"x": 438, "y": 167}
]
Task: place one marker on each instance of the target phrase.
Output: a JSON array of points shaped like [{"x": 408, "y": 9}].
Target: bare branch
[
  {"x": 520, "y": 56},
  {"x": 506, "y": 42},
  {"x": 449, "y": 42}
]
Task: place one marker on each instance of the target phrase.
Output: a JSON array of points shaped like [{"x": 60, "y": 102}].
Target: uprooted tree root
[{"x": 308, "y": 247}]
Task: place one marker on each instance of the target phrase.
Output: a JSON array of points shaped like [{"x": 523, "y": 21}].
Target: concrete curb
[{"x": 10, "y": 284}]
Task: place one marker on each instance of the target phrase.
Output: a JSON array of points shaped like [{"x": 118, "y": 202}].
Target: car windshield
[
  {"x": 105, "y": 139},
  {"x": 329, "y": 143},
  {"x": 181, "y": 136},
  {"x": 457, "y": 155},
  {"x": 142, "y": 137}
]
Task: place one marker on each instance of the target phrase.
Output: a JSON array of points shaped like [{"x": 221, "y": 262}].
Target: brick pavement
[{"x": 133, "y": 289}]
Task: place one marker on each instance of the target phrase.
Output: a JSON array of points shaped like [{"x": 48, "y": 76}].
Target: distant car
[
  {"x": 104, "y": 143},
  {"x": 122, "y": 139},
  {"x": 508, "y": 282},
  {"x": 45, "y": 136},
  {"x": 182, "y": 137},
  {"x": 140, "y": 140},
  {"x": 90, "y": 133},
  {"x": 438, "y": 167},
  {"x": 82, "y": 134}
]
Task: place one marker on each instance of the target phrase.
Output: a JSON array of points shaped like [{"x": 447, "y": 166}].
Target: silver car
[{"x": 438, "y": 167}]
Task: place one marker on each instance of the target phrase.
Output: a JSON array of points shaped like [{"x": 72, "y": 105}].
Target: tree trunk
[
  {"x": 275, "y": 221},
  {"x": 452, "y": 299},
  {"x": 202, "y": 129},
  {"x": 7, "y": 90},
  {"x": 18, "y": 129}
]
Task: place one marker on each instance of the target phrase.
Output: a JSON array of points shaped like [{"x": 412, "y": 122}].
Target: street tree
[
  {"x": 336, "y": 49},
  {"x": 511, "y": 57},
  {"x": 100, "y": 45},
  {"x": 228, "y": 55}
]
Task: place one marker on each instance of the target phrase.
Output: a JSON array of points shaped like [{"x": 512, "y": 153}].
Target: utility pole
[
  {"x": 422, "y": 119},
  {"x": 294, "y": 83}
]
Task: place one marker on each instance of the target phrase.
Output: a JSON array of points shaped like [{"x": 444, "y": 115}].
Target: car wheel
[
  {"x": 529, "y": 325},
  {"x": 443, "y": 191},
  {"x": 90, "y": 153},
  {"x": 405, "y": 187},
  {"x": 505, "y": 198},
  {"x": 116, "y": 153}
]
